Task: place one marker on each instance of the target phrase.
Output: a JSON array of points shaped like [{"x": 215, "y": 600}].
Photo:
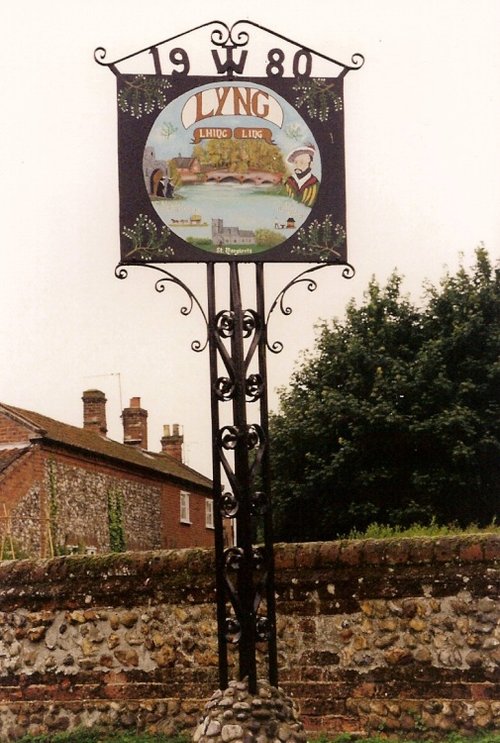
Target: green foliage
[
  {"x": 147, "y": 242},
  {"x": 268, "y": 238},
  {"x": 318, "y": 96},
  {"x": 240, "y": 156},
  {"x": 115, "y": 522},
  {"x": 168, "y": 129},
  {"x": 11, "y": 550},
  {"x": 53, "y": 505},
  {"x": 200, "y": 242},
  {"x": 395, "y": 416},
  {"x": 95, "y": 735},
  {"x": 384, "y": 531},
  {"x": 143, "y": 95},
  {"x": 480, "y": 737},
  {"x": 321, "y": 240},
  {"x": 174, "y": 173}
]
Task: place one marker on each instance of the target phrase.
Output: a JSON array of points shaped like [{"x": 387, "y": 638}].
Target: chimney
[
  {"x": 94, "y": 411},
  {"x": 135, "y": 424},
  {"x": 171, "y": 443}
]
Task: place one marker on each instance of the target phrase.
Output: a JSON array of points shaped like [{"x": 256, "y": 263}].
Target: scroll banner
[
  {"x": 212, "y": 169},
  {"x": 249, "y": 133}
]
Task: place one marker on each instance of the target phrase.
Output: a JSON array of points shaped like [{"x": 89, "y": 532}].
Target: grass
[
  {"x": 492, "y": 737},
  {"x": 99, "y": 736},
  {"x": 96, "y": 736},
  {"x": 384, "y": 531}
]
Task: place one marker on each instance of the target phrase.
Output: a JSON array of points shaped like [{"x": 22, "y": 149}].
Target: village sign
[{"x": 243, "y": 165}]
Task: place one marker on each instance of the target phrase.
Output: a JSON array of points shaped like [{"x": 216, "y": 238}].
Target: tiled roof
[
  {"x": 100, "y": 446},
  {"x": 184, "y": 162},
  {"x": 7, "y": 456}
]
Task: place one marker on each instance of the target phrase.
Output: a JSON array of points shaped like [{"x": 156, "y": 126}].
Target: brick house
[
  {"x": 67, "y": 489},
  {"x": 187, "y": 169}
]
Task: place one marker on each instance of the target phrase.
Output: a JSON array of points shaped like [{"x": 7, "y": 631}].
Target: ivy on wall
[
  {"x": 115, "y": 521},
  {"x": 53, "y": 510}
]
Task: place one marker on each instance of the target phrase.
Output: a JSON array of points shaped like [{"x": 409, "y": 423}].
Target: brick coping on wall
[
  {"x": 30, "y": 581},
  {"x": 113, "y": 578}
]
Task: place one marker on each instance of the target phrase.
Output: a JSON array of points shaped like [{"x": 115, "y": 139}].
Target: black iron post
[
  {"x": 244, "y": 572},
  {"x": 245, "y": 579},
  {"x": 217, "y": 485},
  {"x": 266, "y": 482}
]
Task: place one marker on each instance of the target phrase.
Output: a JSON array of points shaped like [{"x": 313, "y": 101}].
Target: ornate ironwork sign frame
[{"x": 230, "y": 167}]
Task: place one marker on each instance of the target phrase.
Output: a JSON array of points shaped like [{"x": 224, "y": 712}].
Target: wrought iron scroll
[
  {"x": 168, "y": 278},
  {"x": 230, "y": 39},
  {"x": 348, "y": 272}
]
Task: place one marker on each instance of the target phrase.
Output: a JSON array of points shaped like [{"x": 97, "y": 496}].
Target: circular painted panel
[{"x": 232, "y": 168}]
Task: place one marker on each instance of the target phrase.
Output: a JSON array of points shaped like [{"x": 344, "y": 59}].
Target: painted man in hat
[{"x": 302, "y": 185}]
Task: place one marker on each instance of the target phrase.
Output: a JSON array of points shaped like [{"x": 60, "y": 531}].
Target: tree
[
  {"x": 268, "y": 238},
  {"x": 240, "y": 156},
  {"x": 395, "y": 415}
]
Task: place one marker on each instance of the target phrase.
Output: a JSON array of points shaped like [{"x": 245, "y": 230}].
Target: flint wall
[{"x": 390, "y": 635}]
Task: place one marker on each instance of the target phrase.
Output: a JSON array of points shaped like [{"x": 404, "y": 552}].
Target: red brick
[
  {"x": 471, "y": 551},
  {"x": 329, "y": 553},
  {"x": 491, "y": 547},
  {"x": 284, "y": 556},
  {"x": 479, "y": 691},
  {"x": 307, "y": 555},
  {"x": 397, "y": 551},
  {"x": 445, "y": 549},
  {"x": 375, "y": 551},
  {"x": 333, "y": 694},
  {"x": 351, "y": 553},
  {"x": 338, "y": 724},
  {"x": 421, "y": 550},
  {"x": 364, "y": 690}
]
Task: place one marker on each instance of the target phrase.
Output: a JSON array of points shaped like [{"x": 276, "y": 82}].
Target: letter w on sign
[{"x": 230, "y": 65}]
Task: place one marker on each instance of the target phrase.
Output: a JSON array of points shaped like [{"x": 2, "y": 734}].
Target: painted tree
[
  {"x": 395, "y": 416},
  {"x": 240, "y": 156}
]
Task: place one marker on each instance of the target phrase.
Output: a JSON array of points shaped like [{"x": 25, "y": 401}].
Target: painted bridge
[{"x": 257, "y": 177}]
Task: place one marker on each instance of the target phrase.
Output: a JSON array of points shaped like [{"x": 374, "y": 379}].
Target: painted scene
[{"x": 232, "y": 168}]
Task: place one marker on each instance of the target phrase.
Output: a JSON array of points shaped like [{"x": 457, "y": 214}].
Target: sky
[{"x": 422, "y": 120}]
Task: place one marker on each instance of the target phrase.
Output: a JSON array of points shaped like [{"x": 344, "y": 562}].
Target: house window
[
  {"x": 209, "y": 513},
  {"x": 185, "y": 508}
]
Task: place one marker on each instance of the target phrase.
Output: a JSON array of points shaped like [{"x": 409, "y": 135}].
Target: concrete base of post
[{"x": 237, "y": 716}]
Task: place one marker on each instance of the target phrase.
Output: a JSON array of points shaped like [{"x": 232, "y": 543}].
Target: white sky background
[{"x": 423, "y": 184}]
